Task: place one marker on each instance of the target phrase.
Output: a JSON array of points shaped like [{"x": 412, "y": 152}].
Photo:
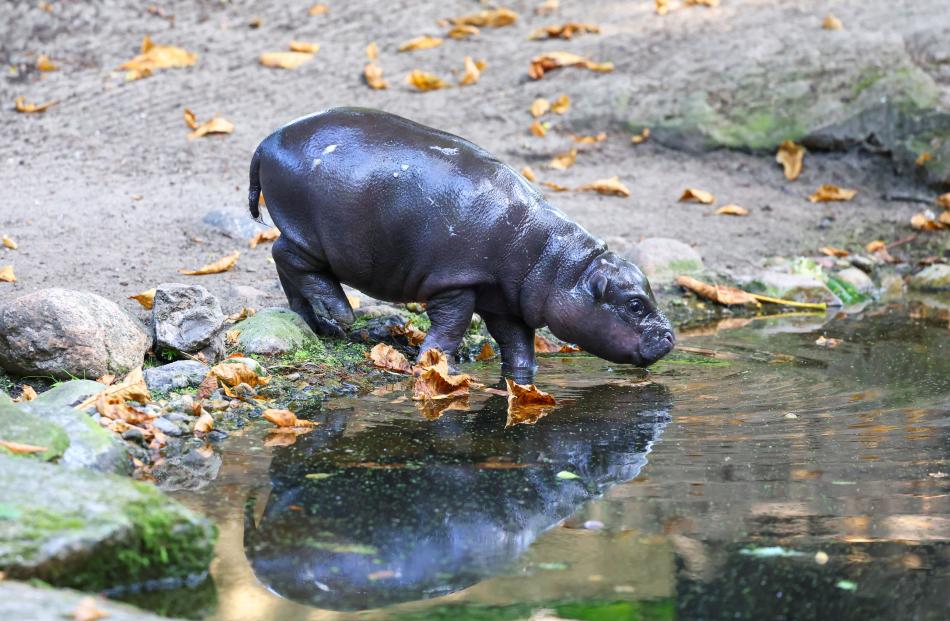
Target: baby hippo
[{"x": 404, "y": 212}]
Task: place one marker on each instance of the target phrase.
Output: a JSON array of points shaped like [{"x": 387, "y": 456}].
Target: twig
[
  {"x": 906, "y": 240},
  {"x": 907, "y": 198},
  {"x": 765, "y": 298}
]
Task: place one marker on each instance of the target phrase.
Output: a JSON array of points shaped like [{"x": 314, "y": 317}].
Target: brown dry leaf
[
  {"x": 114, "y": 407},
  {"x": 462, "y": 32},
  {"x": 555, "y": 60},
  {"x": 943, "y": 200},
  {"x": 221, "y": 265},
  {"x": 216, "y": 125},
  {"x": 590, "y": 139},
  {"x": 435, "y": 383},
  {"x": 27, "y": 393},
  {"x": 561, "y": 105},
  {"x": 709, "y": 3},
  {"x": 373, "y": 74},
  {"x": 473, "y": 71},
  {"x": 414, "y": 336},
  {"x": 539, "y": 106},
  {"x": 424, "y": 42},
  {"x": 284, "y": 60},
  {"x": 527, "y": 404},
  {"x": 728, "y": 296},
  {"x": 732, "y": 210},
  {"x": 828, "y": 192},
  {"x": 611, "y": 187},
  {"x": 547, "y": 7},
  {"x": 131, "y": 388},
  {"x": 487, "y": 352},
  {"x": 261, "y": 237},
  {"x": 831, "y": 251},
  {"x": 432, "y": 359},
  {"x": 925, "y": 221},
  {"x": 207, "y": 386},
  {"x": 372, "y": 51},
  {"x": 425, "y": 81},
  {"x": 564, "y": 160},
  {"x": 318, "y": 9},
  {"x": 22, "y": 106},
  {"x": 386, "y": 357},
  {"x": 19, "y": 448},
  {"x": 286, "y": 418},
  {"x": 538, "y": 129},
  {"x": 234, "y": 373},
  {"x": 145, "y": 298},
  {"x": 557, "y": 187},
  {"x": 567, "y": 348},
  {"x": 694, "y": 195},
  {"x": 790, "y": 155},
  {"x": 662, "y": 7},
  {"x": 87, "y": 610},
  {"x": 108, "y": 379},
  {"x": 6, "y": 273},
  {"x": 43, "y": 63},
  {"x": 923, "y": 158},
  {"x": 6, "y": 242},
  {"x": 543, "y": 345},
  {"x": 491, "y": 18},
  {"x": 307, "y": 47},
  {"x": 191, "y": 120},
  {"x": 944, "y": 219},
  {"x": 563, "y": 31},
  {"x": 876, "y": 245},
  {"x": 641, "y": 137},
  {"x": 528, "y": 174},
  {"x": 831, "y": 23},
  {"x": 154, "y": 57},
  {"x": 204, "y": 424}
]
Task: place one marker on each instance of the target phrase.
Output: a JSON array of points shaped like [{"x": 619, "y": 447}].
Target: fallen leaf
[
  {"x": 563, "y": 31},
  {"x": 926, "y": 221},
  {"x": 539, "y": 106},
  {"x": 564, "y": 160},
  {"x": 22, "y": 106},
  {"x": 728, "y": 296},
  {"x": 558, "y": 187},
  {"x": 108, "y": 379},
  {"x": 414, "y": 336},
  {"x": 561, "y": 105},
  {"x": 831, "y": 23},
  {"x": 556, "y": 60},
  {"x": 87, "y": 610},
  {"x": 145, "y": 298},
  {"x": 567, "y": 348},
  {"x": 241, "y": 315},
  {"x": 462, "y": 32},
  {"x": 831, "y": 251},
  {"x": 19, "y": 448},
  {"x": 693, "y": 195},
  {"x": 131, "y": 388},
  {"x": 424, "y": 42},
  {"x": 154, "y": 57},
  {"x": 284, "y": 60},
  {"x": 662, "y": 7},
  {"x": 790, "y": 155},
  {"x": 114, "y": 407},
  {"x": 611, "y": 186},
  {"x": 538, "y": 129},
  {"x": 709, "y": 3},
  {"x": 191, "y": 120},
  {"x": 435, "y": 383},
  {"x": 487, "y": 352},
  {"x": 828, "y": 192},
  {"x": 307, "y": 47},
  {"x": 207, "y": 386},
  {"x": 433, "y": 409},
  {"x": 221, "y": 265},
  {"x": 425, "y": 81},
  {"x": 372, "y": 51},
  {"x": 27, "y": 393},
  {"x": 432, "y": 359},
  {"x": 923, "y": 158},
  {"x": 547, "y": 7},
  {"x": 528, "y": 174},
  {"x": 944, "y": 200},
  {"x": 590, "y": 139},
  {"x": 8, "y": 243},
  {"x": 641, "y": 137},
  {"x": 234, "y": 373},
  {"x": 732, "y": 210},
  {"x": 491, "y": 18},
  {"x": 43, "y": 63},
  {"x": 473, "y": 71},
  {"x": 286, "y": 418},
  {"x": 823, "y": 341},
  {"x": 261, "y": 237},
  {"x": 876, "y": 245},
  {"x": 543, "y": 345},
  {"x": 255, "y": 22},
  {"x": 318, "y": 9},
  {"x": 215, "y": 125},
  {"x": 527, "y": 404},
  {"x": 204, "y": 424},
  {"x": 386, "y": 357},
  {"x": 373, "y": 74},
  {"x": 6, "y": 273},
  {"x": 944, "y": 219}
]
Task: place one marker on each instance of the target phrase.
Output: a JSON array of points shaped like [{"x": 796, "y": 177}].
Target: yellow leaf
[
  {"x": 234, "y": 373},
  {"x": 286, "y": 418},
  {"x": 462, "y": 32},
  {"x": 386, "y": 357},
  {"x": 87, "y": 610},
  {"x": 492, "y": 18},
  {"x": 373, "y": 74},
  {"x": 432, "y": 359},
  {"x": 284, "y": 60},
  {"x": 319, "y": 9},
  {"x": 420, "y": 43},
  {"x": 694, "y": 195},
  {"x": 538, "y": 129},
  {"x": 926, "y": 222},
  {"x": 728, "y": 296},
  {"x": 473, "y": 71},
  {"x": 487, "y": 352},
  {"x": 145, "y": 298},
  {"x": 425, "y": 81},
  {"x": 923, "y": 158},
  {"x": 132, "y": 387},
  {"x": 554, "y": 186},
  {"x": 590, "y": 139},
  {"x": 43, "y": 63},
  {"x": 554, "y": 60},
  {"x": 641, "y": 137},
  {"x": 154, "y": 57},
  {"x": 611, "y": 186},
  {"x": 709, "y": 3},
  {"x": 372, "y": 51},
  {"x": 414, "y": 336},
  {"x": 828, "y": 192},
  {"x": 944, "y": 219},
  {"x": 528, "y": 174},
  {"x": 306, "y": 47},
  {"x": 19, "y": 448},
  {"x": 27, "y": 393},
  {"x": 790, "y": 155},
  {"x": 564, "y": 160},
  {"x": 563, "y": 31},
  {"x": 831, "y": 251},
  {"x": 944, "y": 200},
  {"x": 190, "y": 119},
  {"x": 8, "y": 243},
  {"x": 221, "y": 265},
  {"x": 732, "y": 210},
  {"x": 875, "y": 246},
  {"x": 108, "y": 379},
  {"x": 527, "y": 404},
  {"x": 561, "y": 105},
  {"x": 217, "y": 125},
  {"x": 6, "y": 273},
  {"x": 261, "y": 237},
  {"x": 539, "y": 106},
  {"x": 205, "y": 423},
  {"x": 662, "y": 7},
  {"x": 22, "y": 106},
  {"x": 547, "y": 7},
  {"x": 831, "y": 23}
]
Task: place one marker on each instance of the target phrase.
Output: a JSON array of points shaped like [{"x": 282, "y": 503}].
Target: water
[{"x": 756, "y": 475}]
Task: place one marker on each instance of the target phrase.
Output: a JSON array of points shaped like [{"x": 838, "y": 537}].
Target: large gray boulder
[
  {"x": 274, "y": 331},
  {"x": 90, "y": 446},
  {"x": 188, "y": 319},
  {"x": 97, "y": 531},
  {"x": 176, "y": 375},
  {"x": 65, "y": 333},
  {"x": 22, "y": 601},
  {"x": 663, "y": 259}
]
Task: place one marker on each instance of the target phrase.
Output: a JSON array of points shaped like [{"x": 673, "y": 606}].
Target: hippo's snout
[{"x": 653, "y": 349}]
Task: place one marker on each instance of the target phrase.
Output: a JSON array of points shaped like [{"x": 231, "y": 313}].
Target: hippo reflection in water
[{"x": 417, "y": 509}]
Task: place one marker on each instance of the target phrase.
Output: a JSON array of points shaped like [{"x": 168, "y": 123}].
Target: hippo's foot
[
  {"x": 519, "y": 375},
  {"x": 516, "y": 340},
  {"x": 451, "y": 315}
]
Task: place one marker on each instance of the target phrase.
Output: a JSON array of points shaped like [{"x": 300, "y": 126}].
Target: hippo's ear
[{"x": 597, "y": 284}]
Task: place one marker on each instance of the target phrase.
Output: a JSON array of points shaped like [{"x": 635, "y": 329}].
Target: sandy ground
[{"x": 70, "y": 174}]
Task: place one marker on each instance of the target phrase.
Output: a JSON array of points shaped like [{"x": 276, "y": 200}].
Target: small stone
[
  {"x": 178, "y": 417},
  {"x": 176, "y": 375},
  {"x": 192, "y": 470},
  {"x": 931, "y": 278},
  {"x": 797, "y": 287},
  {"x": 791, "y": 415},
  {"x": 274, "y": 331},
  {"x": 187, "y": 318},
  {"x": 133, "y": 434},
  {"x": 234, "y": 223},
  {"x": 167, "y": 427},
  {"x": 593, "y": 525},
  {"x": 857, "y": 279},
  {"x": 821, "y": 557},
  {"x": 863, "y": 263},
  {"x": 663, "y": 259}
]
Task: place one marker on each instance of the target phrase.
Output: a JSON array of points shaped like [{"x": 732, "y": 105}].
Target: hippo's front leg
[
  {"x": 451, "y": 315},
  {"x": 516, "y": 340}
]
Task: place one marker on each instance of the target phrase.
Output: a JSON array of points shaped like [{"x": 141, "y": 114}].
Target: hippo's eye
[{"x": 635, "y": 305}]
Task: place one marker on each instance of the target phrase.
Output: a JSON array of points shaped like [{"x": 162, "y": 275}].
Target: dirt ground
[{"x": 70, "y": 174}]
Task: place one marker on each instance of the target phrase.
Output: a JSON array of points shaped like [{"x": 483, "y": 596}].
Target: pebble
[
  {"x": 167, "y": 427},
  {"x": 133, "y": 434}
]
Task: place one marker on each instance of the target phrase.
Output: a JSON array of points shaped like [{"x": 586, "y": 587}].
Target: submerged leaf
[
  {"x": 386, "y": 357},
  {"x": 145, "y": 298},
  {"x": 611, "y": 186},
  {"x": 555, "y": 60},
  {"x": 720, "y": 294},
  {"x": 154, "y": 57},
  {"x": 694, "y": 195},
  {"x": 221, "y": 265},
  {"x": 425, "y": 81},
  {"x": 790, "y": 155},
  {"x": 424, "y": 42},
  {"x": 828, "y": 192}
]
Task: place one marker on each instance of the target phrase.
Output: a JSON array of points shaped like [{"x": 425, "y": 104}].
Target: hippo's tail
[{"x": 254, "y": 189}]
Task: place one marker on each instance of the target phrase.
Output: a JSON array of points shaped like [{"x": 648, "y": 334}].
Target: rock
[
  {"x": 243, "y": 295},
  {"x": 67, "y": 333},
  {"x": 274, "y": 331},
  {"x": 931, "y": 278},
  {"x": 16, "y": 426},
  {"x": 855, "y": 277},
  {"x": 133, "y": 434},
  {"x": 90, "y": 446},
  {"x": 863, "y": 263},
  {"x": 192, "y": 470},
  {"x": 234, "y": 223},
  {"x": 97, "y": 531},
  {"x": 167, "y": 427},
  {"x": 254, "y": 365},
  {"x": 186, "y": 318},
  {"x": 663, "y": 259},
  {"x": 797, "y": 287},
  {"x": 175, "y": 375},
  {"x": 383, "y": 309},
  {"x": 71, "y": 393},
  {"x": 19, "y": 600},
  {"x": 5, "y": 398}
]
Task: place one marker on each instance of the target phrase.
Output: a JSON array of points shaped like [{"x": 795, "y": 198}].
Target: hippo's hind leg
[
  {"x": 451, "y": 314},
  {"x": 516, "y": 340},
  {"x": 312, "y": 291}
]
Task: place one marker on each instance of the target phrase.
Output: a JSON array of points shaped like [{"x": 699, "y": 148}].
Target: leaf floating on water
[
  {"x": 235, "y": 373},
  {"x": 425, "y": 81},
  {"x": 487, "y": 352},
  {"x": 831, "y": 251},
  {"x": 528, "y": 174},
  {"x": 561, "y": 105},
  {"x": 386, "y": 357},
  {"x": 20, "y": 448},
  {"x": 831, "y": 23},
  {"x": 694, "y": 195},
  {"x": 22, "y": 106},
  {"x": 261, "y": 237},
  {"x": 564, "y": 31},
  {"x": 828, "y": 193},
  {"x": 6, "y": 273},
  {"x": 216, "y": 125},
  {"x": 221, "y": 265},
  {"x": 564, "y": 160},
  {"x": 284, "y": 60},
  {"x": 491, "y": 18},
  {"x": 538, "y": 129},
  {"x": 373, "y": 74},
  {"x": 566, "y": 475},
  {"x": 145, "y": 298},
  {"x": 555, "y": 60},
  {"x": 732, "y": 210},
  {"x": 641, "y": 137},
  {"x": 154, "y": 57},
  {"x": 88, "y": 610},
  {"x": 611, "y": 186},
  {"x": 307, "y": 47},
  {"x": 527, "y": 404},
  {"x": 539, "y": 106},
  {"x": 6, "y": 242},
  {"x": 791, "y": 156},
  {"x": 424, "y": 42},
  {"x": 728, "y": 296},
  {"x": 473, "y": 71},
  {"x": 462, "y": 32}
]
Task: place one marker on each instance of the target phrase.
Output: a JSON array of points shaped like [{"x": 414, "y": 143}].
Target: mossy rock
[
  {"x": 90, "y": 446},
  {"x": 68, "y": 394},
  {"x": 274, "y": 332},
  {"x": 93, "y": 531},
  {"x": 5, "y": 398},
  {"x": 19, "y": 600},
  {"x": 24, "y": 428},
  {"x": 931, "y": 278}
]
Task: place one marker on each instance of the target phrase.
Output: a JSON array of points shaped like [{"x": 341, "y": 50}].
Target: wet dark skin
[{"x": 404, "y": 212}]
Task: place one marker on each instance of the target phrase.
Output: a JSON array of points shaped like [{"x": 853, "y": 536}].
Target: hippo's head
[{"x": 611, "y": 313}]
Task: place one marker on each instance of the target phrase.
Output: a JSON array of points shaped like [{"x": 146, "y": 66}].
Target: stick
[
  {"x": 765, "y": 298},
  {"x": 906, "y": 240}
]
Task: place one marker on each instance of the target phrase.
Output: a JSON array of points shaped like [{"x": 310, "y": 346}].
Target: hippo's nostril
[{"x": 668, "y": 336}]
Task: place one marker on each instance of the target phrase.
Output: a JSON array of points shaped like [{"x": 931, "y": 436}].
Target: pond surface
[{"x": 754, "y": 474}]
